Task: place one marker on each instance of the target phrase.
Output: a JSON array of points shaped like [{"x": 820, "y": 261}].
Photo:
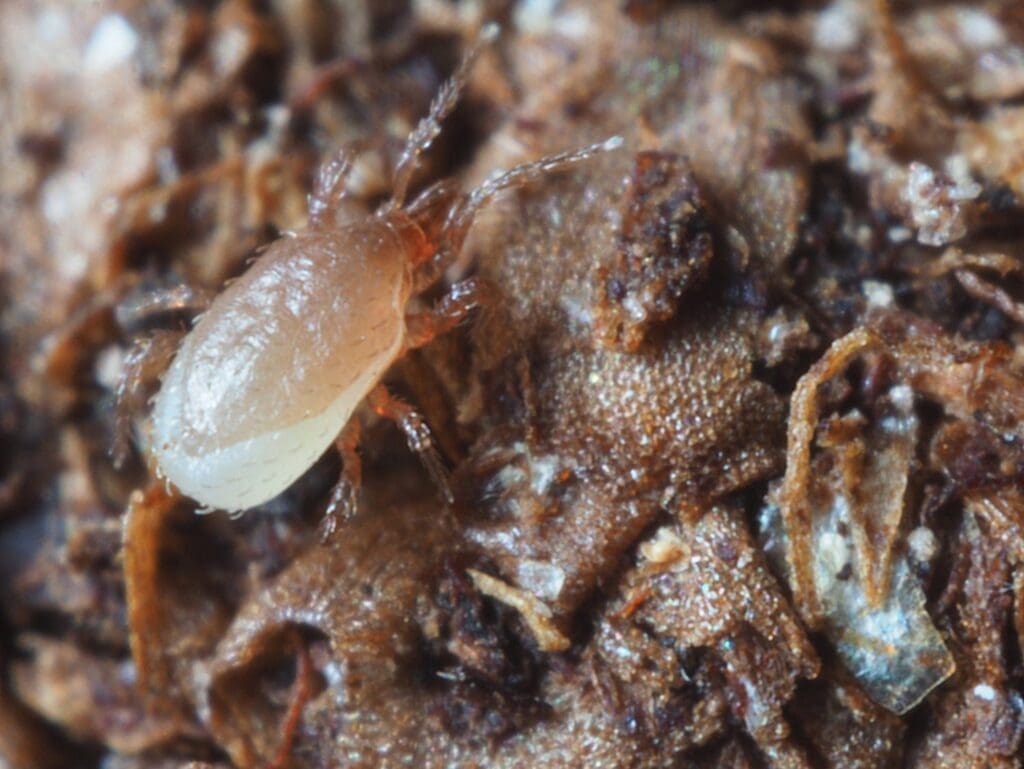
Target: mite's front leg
[
  {"x": 329, "y": 189},
  {"x": 461, "y": 299},
  {"x": 345, "y": 495},
  {"x": 148, "y": 358},
  {"x": 417, "y": 434}
]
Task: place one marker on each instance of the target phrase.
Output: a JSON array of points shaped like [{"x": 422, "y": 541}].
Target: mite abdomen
[{"x": 273, "y": 371}]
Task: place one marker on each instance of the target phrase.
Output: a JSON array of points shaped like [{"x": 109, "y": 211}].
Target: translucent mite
[{"x": 272, "y": 372}]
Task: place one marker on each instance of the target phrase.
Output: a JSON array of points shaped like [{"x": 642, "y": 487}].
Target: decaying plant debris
[{"x": 736, "y": 453}]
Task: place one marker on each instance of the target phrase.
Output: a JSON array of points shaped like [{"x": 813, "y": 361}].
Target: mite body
[
  {"x": 271, "y": 374},
  {"x": 273, "y": 371}
]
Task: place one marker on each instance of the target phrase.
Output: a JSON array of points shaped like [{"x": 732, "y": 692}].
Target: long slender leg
[
  {"x": 137, "y": 308},
  {"x": 438, "y": 195},
  {"x": 461, "y": 217},
  {"x": 145, "y": 362},
  {"x": 329, "y": 187},
  {"x": 430, "y": 126},
  {"x": 430, "y": 211},
  {"x": 461, "y": 299},
  {"x": 417, "y": 434},
  {"x": 345, "y": 495}
]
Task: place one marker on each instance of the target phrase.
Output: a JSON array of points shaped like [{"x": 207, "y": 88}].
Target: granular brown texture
[{"x": 735, "y": 449}]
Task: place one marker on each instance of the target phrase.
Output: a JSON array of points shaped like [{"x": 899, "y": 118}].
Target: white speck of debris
[
  {"x": 112, "y": 43},
  {"x": 899, "y": 234},
  {"x": 858, "y": 157},
  {"x": 634, "y": 308},
  {"x": 576, "y": 309},
  {"x": 534, "y": 16},
  {"x": 934, "y": 202},
  {"x": 109, "y": 364},
  {"x": 833, "y": 552},
  {"x": 543, "y": 471},
  {"x": 837, "y": 28},
  {"x": 978, "y": 29},
  {"x": 230, "y": 49},
  {"x": 576, "y": 25},
  {"x": 509, "y": 477},
  {"x": 335, "y": 675},
  {"x": 923, "y": 544},
  {"x": 541, "y": 578},
  {"x": 278, "y": 118},
  {"x": 984, "y": 692},
  {"x": 959, "y": 170},
  {"x": 665, "y": 547},
  {"x": 57, "y": 196},
  {"x": 902, "y": 397},
  {"x": 877, "y": 293},
  {"x": 920, "y": 175}
]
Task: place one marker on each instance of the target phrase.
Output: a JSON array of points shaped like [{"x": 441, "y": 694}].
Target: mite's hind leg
[
  {"x": 148, "y": 358},
  {"x": 345, "y": 495},
  {"x": 142, "y": 307},
  {"x": 417, "y": 434},
  {"x": 461, "y": 299}
]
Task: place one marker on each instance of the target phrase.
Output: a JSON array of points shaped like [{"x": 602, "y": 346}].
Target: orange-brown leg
[
  {"x": 148, "y": 358},
  {"x": 461, "y": 299},
  {"x": 417, "y": 434},
  {"x": 183, "y": 300},
  {"x": 345, "y": 495}
]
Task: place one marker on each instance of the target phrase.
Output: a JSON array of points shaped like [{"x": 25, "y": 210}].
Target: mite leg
[
  {"x": 417, "y": 434},
  {"x": 461, "y": 217},
  {"x": 435, "y": 199},
  {"x": 345, "y": 495},
  {"x": 329, "y": 187},
  {"x": 430, "y": 126},
  {"x": 430, "y": 210},
  {"x": 461, "y": 299},
  {"x": 141, "y": 307},
  {"x": 148, "y": 358}
]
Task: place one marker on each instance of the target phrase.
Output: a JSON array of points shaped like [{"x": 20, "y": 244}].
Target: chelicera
[{"x": 273, "y": 371}]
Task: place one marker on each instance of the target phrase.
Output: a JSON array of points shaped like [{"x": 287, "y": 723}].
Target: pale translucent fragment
[
  {"x": 872, "y": 605},
  {"x": 893, "y": 649}
]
